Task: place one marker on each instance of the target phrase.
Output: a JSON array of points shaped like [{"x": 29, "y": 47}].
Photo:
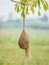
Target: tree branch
[{"x": 21, "y": 3}]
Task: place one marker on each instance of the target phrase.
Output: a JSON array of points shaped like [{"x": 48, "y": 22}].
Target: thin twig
[{"x": 21, "y": 3}]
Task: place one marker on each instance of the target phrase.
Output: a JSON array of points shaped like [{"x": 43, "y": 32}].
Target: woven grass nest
[{"x": 24, "y": 40}]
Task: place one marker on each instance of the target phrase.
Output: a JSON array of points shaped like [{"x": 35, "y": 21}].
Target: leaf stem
[{"x": 21, "y": 3}]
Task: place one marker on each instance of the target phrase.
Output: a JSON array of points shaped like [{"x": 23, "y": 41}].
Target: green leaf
[
  {"x": 39, "y": 4},
  {"x": 36, "y": 3},
  {"x": 24, "y": 1},
  {"x": 45, "y": 5},
  {"x": 17, "y": 8},
  {"x": 22, "y": 7},
  {"x": 27, "y": 10},
  {"x": 39, "y": 14},
  {"x": 22, "y": 13},
  {"x": 32, "y": 11}
]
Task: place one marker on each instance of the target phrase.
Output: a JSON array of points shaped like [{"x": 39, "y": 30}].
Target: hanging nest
[{"x": 24, "y": 40}]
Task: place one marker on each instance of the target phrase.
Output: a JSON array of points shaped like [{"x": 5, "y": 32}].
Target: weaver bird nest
[{"x": 24, "y": 40}]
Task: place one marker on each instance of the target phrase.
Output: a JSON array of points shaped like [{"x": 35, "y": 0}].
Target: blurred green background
[{"x": 11, "y": 54}]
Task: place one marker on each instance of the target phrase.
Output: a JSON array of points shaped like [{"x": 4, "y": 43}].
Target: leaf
[
  {"x": 27, "y": 10},
  {"x": 39, "y": 14},
  {"x": 45, "y": 5},
  {"x": 32, "y": 8},
  {"x": 17, "y": 8},
  {"x": 39, "y": 4},
  {"x": 22, "y": 13},
  {"x": 32, "y": 11},
  {"x": 24, "y": 1},
  {"x": 36, "y": 3},
  {"x": 22, "y": 7}
]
